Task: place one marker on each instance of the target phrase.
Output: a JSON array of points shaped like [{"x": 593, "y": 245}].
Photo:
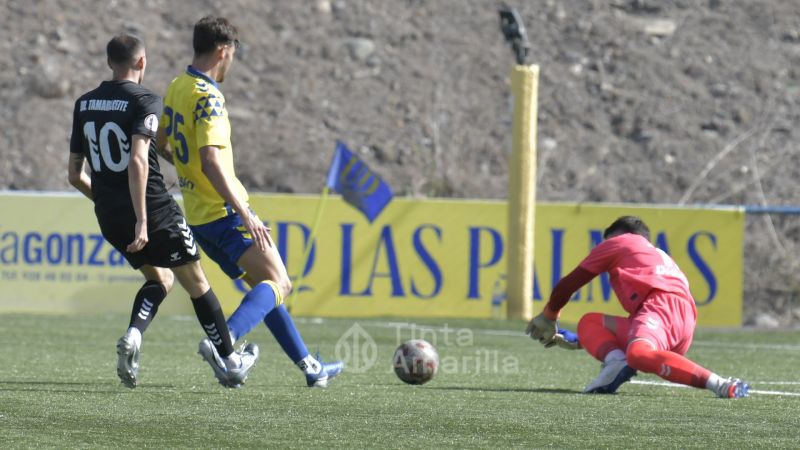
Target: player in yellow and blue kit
[{"x": 195, "y": 125}]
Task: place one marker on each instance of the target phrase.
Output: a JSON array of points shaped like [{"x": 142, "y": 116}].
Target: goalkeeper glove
[
  {"x": 564, "y": 339},
  {"x": 542, "y": 329}
]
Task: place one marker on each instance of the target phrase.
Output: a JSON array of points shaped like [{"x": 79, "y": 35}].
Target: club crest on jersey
[{"x": 151, "y": 122}]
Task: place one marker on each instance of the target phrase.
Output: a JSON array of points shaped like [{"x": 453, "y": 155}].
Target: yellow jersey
[{"x": 194, "y": 117}]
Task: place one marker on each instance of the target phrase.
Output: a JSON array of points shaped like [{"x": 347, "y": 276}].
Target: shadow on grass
[
  {"x": 485, "y": 389},
  {"x": 55, "y": 383},
  {"x": 105, "y": 387}
]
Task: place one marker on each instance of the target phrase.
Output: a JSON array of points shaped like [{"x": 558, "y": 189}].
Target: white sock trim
[
  {"x": 136, "y": 336},
  {"x": 714, "y": 382},
  {"x": 309, "y": 365}
]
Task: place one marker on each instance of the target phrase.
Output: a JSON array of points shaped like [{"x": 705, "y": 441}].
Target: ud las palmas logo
[{"x": 357, "y": 349}]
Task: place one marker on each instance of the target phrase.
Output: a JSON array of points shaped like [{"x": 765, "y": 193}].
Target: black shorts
[{"x": 170, "y": 241}]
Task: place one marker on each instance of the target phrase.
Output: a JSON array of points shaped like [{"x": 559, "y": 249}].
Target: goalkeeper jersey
[
  {"x": 194, "y": 117},
  {"x": 636, "y": 268}
]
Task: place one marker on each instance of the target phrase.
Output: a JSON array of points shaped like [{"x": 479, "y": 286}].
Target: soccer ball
[{"x": 416, "y": 361}]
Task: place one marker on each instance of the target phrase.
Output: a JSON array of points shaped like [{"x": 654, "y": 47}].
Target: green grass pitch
[{"x": 496, "y": 389}]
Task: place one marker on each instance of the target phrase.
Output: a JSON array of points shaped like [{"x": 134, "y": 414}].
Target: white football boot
[
  {"x": 231, "y": 378},
  {"x": 611, "y": 377},
  {"x": 128, "y": 361}
]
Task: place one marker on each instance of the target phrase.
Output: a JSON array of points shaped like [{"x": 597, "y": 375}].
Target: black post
[{"x": 514, "y": 32}]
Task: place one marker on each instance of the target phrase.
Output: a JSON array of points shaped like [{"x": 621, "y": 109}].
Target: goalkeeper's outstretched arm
[
  {"x": 564, "y": 290},
  {"x": 544, "y": 327}
]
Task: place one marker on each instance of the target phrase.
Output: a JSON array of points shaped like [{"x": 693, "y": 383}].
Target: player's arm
[
  {"x": 602, "y": 258},
  {"x": 162, "y": 146},
  {"x": 76, "y": 175},
  {"x": 144, "y": 129},
  {"x": 565, "y": 289},
  {"x": 545, "y": 326},
  {"x": 137, "y": 183},
  {"x": 212, "y": 168}
]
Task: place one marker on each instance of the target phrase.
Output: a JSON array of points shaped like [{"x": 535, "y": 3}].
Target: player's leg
[
  {"x": 231, "y": 248},
  {"x": 263, "y": 298},
  {"x": 224, "y": 241},
  {"x": 150, "y": 296},
  {"x": 674, "y": 367},
  {"x": 118, "y": 230},
  {"x": 661, "y": 332},
  {"x": 671, "y": 366},
  {"x": 604, "y": 336},
  {"x": 206, "y": 306},
  {"x": 173, "y": 245},
  {"x": 145, "y": 307},
  {"x": 230, "y": 368},
  {"x": 268, "y": 266}
]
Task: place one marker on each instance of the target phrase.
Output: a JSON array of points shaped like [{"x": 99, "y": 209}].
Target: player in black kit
[{"x": 114, "y": 128}]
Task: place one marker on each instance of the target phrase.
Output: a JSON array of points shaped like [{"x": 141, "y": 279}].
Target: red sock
[
  {"x": 668, "y": 365},
  {"x": 598, "y": 340}
]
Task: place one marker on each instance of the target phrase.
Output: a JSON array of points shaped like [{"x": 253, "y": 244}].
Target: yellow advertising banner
[
  {"x": 419, "y": 258},
  {"x": 53, "y": 259}
]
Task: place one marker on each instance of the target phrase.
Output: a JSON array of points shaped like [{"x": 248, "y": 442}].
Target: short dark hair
[
  {"x": 122, "y": 49},
  {"x": 628, "y": 224},
  {"x": 210, "y": 31}
]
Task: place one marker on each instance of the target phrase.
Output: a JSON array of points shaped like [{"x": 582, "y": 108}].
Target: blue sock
[
  {"x": 255, "y": 306},
  {"x": 282, "y": 327}
]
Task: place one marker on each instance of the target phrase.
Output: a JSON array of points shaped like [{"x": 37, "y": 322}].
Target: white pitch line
[
  {"x": 748, "y": 346},
  {"x": 790, "y": 394},
  {"x": 752, "y": 391},
  {"x": 659, "y": 383}
]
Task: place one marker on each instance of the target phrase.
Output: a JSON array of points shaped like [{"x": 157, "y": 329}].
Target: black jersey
[{"x": 104, "y": 122}]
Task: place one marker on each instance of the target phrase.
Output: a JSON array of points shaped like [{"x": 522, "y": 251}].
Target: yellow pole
[
  {"x": 307, "y": 251},
  {"x": 522, "y": 192}
]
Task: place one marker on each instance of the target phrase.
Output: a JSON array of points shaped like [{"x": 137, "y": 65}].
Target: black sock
[
  {"x": 209, "y": 313},
  {"x": 146, "y": 303}
]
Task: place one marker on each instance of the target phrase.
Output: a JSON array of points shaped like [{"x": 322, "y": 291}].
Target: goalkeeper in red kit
[{"x": 662, "y": 315}]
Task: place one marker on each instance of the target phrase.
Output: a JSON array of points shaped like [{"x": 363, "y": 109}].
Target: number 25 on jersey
[{"x": 174, "y": 123}]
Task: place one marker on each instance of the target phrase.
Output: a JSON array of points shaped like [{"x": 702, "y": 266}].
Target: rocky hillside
[{"x": 665, "y": 101}]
